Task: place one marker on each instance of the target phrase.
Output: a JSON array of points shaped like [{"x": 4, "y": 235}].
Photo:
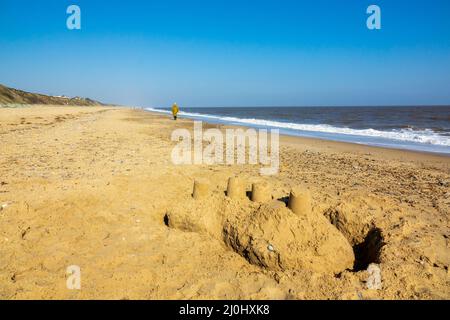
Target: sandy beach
[{"x": 95, "y": 187}]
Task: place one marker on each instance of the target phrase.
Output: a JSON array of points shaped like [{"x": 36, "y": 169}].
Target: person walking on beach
[{"x": 175, "y": 111}]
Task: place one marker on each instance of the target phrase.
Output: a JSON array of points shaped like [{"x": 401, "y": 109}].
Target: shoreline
[
  {"x": 338, "y": 146},
  {"x": 305, "y": 137}
]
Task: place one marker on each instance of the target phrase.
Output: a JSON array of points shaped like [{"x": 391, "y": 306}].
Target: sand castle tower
[
  {"x": 300, "y": 201},
  {"x": 261, "y": 192},
  {"x": 236, "y": 188},
  {"x": 201, "y": 189}
]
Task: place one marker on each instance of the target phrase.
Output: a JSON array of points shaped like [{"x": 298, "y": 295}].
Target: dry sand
[{"x": 95, "y": 187}]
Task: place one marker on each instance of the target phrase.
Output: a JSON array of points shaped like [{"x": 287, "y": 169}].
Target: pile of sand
[
  {"x": 275, "y": 238},
  {"x": 269, "y": 234}
]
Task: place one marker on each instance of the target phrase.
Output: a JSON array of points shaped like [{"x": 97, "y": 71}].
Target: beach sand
[{"x": 95, "y": 187}]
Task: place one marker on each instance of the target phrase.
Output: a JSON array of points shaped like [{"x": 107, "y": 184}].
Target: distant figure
[{"x": 175, "y": 111}]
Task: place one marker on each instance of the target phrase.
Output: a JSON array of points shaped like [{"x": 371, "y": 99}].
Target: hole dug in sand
[
  {"x": 265, "y": 232},
  {"x": 369, "y": 250},
  {"x": 366, "y": 239}
]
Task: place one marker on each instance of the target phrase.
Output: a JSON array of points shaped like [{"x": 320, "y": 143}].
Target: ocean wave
[{"x": 426, "y": 136}]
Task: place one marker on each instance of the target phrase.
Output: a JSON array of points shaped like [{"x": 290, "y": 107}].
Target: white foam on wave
[{"x": 426, "y": 136}]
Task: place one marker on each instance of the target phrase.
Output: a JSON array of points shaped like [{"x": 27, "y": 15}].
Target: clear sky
[{"x": 231, "y": 52}]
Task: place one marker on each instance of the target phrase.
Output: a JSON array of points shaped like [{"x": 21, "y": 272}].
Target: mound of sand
[
  {"x": 275, "y": 238},
  {"x": 268, "y": 235}
]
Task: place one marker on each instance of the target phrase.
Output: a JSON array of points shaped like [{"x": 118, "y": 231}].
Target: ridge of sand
[{"x": 91, "y": 187}]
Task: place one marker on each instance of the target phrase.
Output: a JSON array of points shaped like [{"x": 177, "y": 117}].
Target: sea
[{"x": 419, "y": 128}]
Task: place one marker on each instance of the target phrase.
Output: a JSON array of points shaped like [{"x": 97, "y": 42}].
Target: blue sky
[{"x": 230, "y": 53}]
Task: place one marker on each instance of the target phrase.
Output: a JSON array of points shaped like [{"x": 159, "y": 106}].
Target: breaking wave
[{"x": 427, "y": 136}]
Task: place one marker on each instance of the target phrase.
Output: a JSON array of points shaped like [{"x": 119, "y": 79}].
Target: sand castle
[
  {"x": 300, "y": 201},
  {"x": 264, "y": 231},
  {"x": 201, "y": 189},
  {"x": 261, "y": 192},
  {"x": 236, "y": 188}
]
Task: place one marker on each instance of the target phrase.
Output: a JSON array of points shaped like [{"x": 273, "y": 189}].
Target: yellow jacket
[{"x": 175, "y": 109}]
